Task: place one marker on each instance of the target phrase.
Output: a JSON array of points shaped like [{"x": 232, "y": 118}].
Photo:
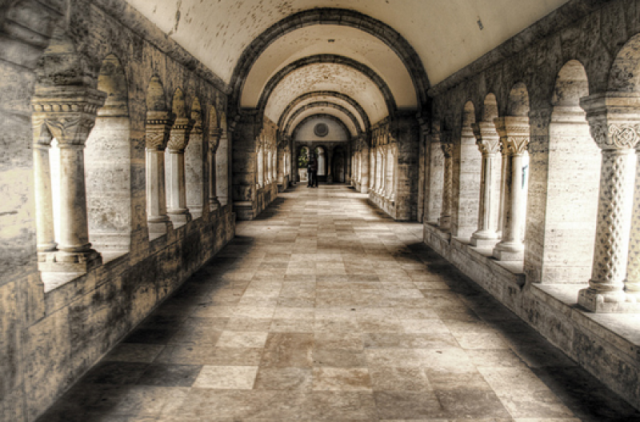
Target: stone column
[
  {"x": 447, "y": 149},
  {"x": 373, "y": 169},
  {"x": 514, "y": 135},
  {"x": 393, "y": 170},
  {"x": 488, "y": 142},
  {"x": 614, "y": 120},
  {"x": 157, "y": 129},
  {"x": 330, "y": 165},
  {"x": 434, "y": 177},
  {"x": 69, "y": 114},
  {"x": 214, "y": 141},
  {"x": 44, "y": 199},
  {"x": 365, "y": 169},
  {"x": 177, "y": 193}
]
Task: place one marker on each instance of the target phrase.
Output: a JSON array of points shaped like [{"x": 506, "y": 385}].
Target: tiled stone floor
[{"x": 325, "y": 310}]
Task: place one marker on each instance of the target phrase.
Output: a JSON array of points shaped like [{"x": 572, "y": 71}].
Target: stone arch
[
  {"x": 467, "y": 170},
  {"x": 518, "y": 101},
  {"x": 571, "y": 84},
  {"x": 490, "y": 108},
  {"x": 363, "y": 115},
  {"x": 331, "y": 16},
  {"x": 572, "y": 185},
  {"x": 195, "y": 162},
  {"x": 156, "y": 99},
  {"x": 317, "y": 104},
  {"x": 327, "y": 58},
  {"x": 108, "y": 163},
  {"x": 178, "y": 105},
  {"x": 624, "y": 75}
]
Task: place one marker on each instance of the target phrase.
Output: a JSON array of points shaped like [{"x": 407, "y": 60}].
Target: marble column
[
  {"x": 445, "y": 214},
  {"x": 373, "y": 169},
  {"x": 176, "y": 183},
  {"x": 43, "y": 189},
  {"x": 214, "y": 141},
  {"x": 614, "y": 120},
  {"x": 365, "y": 169},
  {"x": 69, "y": 114},
  {"x": 157, "y": 130},
  {"x": 488, "y": 142},
  {"x": 514, "y": 135}
]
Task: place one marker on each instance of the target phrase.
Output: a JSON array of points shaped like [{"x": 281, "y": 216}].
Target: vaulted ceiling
[{"x": 378, "y": 56}]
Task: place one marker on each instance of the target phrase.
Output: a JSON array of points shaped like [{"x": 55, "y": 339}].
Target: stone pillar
[
  {"x": 488, "y": 142},
  {"x": 393, "y": 170},
  {"x": 434, "y": 178},
  {"x": 44, "y": 200},
  {"x": 69, "y": 114},
  {"x": 614, "y": 120},
  {"x": 373, "y": 169},
  {"x": 365, "y": 169},
  {"x": 329, "y": 165},
  {"x": 447, "y": 187},
  {"x": 157, "y": 129},
  {"x": 514, "y": 135},
  {"x": 214, "y": 140},
  {"x": 177, "y": 196}
]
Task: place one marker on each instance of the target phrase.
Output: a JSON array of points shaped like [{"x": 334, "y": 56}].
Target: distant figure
[{"x": 312, "y": 172}]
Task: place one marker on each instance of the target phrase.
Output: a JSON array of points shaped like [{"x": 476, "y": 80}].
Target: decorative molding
[
  {"x": 68, "y": 113},
  {"x": 157, "y": 129},
  {"x": 179, "y": 136}
]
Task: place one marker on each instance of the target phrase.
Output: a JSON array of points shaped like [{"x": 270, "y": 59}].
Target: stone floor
[{"x": 323, "y": 309}]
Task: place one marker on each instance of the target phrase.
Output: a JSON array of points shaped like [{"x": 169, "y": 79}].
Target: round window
[{"x": 321, "y": 130}]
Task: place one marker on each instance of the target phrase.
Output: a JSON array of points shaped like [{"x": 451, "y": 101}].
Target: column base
[
  {"x": 444, "y": 223},
  {"x": 615, "y": 302},
  {"x": 159, "y": 226},
  {"x": 509, "y": 252},
  {"x": 179, "y": 217},
  {"x": 484, "y": 239},
  {"x": 69, "y": 262}
]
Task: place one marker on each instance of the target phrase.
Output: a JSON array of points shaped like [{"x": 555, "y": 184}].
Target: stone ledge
[{"x": 606, "y": 345}]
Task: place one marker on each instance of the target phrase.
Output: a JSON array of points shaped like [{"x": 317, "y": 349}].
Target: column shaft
[
  {"x": 447, "y": 194},
  {"x": 44, "y": 200}
]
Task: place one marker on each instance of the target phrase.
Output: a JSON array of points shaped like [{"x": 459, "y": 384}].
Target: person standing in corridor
[{"x": 312, "y": 172}]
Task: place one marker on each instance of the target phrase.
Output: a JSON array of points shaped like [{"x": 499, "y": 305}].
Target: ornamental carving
[
  {"x": 517, "y": 145},
  {"x": 614, "y": 136},
  {"x": 179, "y": 137},
  {"x": 157, "y": 129},
  {"x": 447, "y": 149},
  {"x": 488, "y": 146},
  {"x": 67, "y": 113}
]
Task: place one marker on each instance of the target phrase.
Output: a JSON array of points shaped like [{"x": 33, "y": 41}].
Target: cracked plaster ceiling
[{"x": 446, "y": 35}]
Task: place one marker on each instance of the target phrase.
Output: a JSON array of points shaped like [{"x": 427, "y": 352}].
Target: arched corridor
[
  {"x": 324, "y": 309},
  {"x": 474, "y": 158}
]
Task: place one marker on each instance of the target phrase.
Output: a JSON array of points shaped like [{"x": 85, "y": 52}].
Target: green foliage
[{"x": 302, "y": 158}]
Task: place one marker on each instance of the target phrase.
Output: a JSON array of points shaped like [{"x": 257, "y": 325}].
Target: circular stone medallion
[{"x": 321, "y": 130}]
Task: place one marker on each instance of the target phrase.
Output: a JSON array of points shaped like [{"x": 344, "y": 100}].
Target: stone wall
[
  {"x": 540, "y": 79},
  {"x": 54, "y": 327}
]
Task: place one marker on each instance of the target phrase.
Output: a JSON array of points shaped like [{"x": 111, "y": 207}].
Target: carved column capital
[
  {"x": 614, "y": 119},
  {"x": 487, "y": 138},
  {"x": 446, "y": 143},
  {"x": 179, "y": 136},
  {"x": 514, "y": 133},
  {"x": 157, "y": 128},
  {"x": 68, "y": 113}
]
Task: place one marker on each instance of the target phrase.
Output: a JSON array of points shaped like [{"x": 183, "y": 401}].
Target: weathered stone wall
[
  {"x": 563, "y": 179},
  {"x": 51, "y": 334}
]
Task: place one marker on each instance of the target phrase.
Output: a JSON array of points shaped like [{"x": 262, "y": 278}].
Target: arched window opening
[
  {"x": 573, "y": 174},
  {"x": 467, "y": 165},
  {"x": 321, "y": 156},
  {"x": 108, "y": 165},
  {"x": 195, "y": 163},
  {"x": 222, "y": 162}
]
